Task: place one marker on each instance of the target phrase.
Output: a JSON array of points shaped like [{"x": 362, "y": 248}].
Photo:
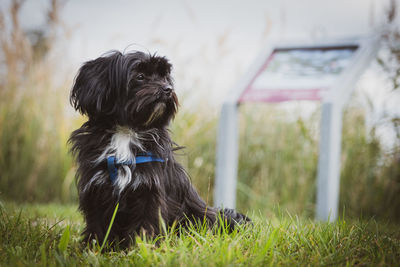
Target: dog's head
[{"x": 133, "y": 89}]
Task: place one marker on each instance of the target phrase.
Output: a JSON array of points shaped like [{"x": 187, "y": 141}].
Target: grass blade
[
  {"x": 63, "y": 244},
  {"x": 109, "y": 227}
]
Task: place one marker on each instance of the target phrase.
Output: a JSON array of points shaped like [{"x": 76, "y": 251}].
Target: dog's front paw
[{"x": 232, "y": 218}]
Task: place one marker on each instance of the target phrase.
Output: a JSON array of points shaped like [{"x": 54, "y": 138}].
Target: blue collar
[{"x": 113, "y": 163}]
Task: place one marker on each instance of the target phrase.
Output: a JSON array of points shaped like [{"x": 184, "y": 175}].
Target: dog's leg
[
  {"x": 97, "y": 206},
  {"x": 95, "y": 227},
  {"x": 198, "y": 209},
  {"x": 194, "y": 208},
  {"x": 139, "y": 214}
]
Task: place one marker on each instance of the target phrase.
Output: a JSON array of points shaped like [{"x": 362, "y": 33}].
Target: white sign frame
[{"x": 328, "y": 178}]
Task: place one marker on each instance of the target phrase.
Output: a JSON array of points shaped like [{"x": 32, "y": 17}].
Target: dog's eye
[{"x": 140, "y": 77}]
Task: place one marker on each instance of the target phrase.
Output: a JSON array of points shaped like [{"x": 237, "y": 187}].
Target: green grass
[{"x": 48, "y": 235}]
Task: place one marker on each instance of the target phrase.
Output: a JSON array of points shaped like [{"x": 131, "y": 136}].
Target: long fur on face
[{"x": 129, "y": 101}]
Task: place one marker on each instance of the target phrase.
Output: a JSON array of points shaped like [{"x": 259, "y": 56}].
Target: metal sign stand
[
  {"x": 328, "y": 178},
  {"x": 227, "y": 156},
  {"x": 329, "y": 162}
]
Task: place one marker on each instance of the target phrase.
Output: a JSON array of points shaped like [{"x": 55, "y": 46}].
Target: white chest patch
[
  {"x": 120, "y": 146},
  {"x": 121, "y": 143}
]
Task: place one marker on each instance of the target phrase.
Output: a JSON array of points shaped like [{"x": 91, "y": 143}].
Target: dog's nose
[{"x": 167, "y": 90}]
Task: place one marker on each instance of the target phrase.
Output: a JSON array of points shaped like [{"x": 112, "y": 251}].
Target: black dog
[{"x": 124, "y": 151}]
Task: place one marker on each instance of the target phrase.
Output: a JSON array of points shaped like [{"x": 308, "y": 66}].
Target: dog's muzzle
[{"x": 167, "y": 90}]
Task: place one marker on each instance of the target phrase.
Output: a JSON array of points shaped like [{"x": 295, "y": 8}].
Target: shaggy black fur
[{"x": 129, "y": 101}]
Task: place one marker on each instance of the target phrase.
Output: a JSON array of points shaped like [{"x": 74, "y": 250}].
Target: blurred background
[{"x": 211, "y": 44}]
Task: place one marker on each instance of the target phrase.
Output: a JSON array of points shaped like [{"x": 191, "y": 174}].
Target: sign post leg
[
  {"x": 227, "y": 157},
  {"x": 329, "y": 162}
]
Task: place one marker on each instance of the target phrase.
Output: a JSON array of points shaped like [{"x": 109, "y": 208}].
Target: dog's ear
[{"x": 96, "y": 85}]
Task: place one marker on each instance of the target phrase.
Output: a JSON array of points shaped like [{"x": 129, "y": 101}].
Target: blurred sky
[
  {"x": 105, "y": 24},
  {"x": 210, "y": 43}
]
